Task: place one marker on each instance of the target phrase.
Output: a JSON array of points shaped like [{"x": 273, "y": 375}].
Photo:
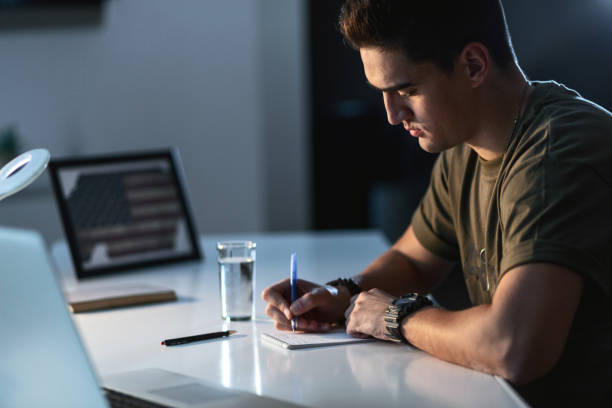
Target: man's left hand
[{"x": 365, "y": 316}]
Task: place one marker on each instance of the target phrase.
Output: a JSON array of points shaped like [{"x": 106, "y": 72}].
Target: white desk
[{"x": 373, "y": 374}]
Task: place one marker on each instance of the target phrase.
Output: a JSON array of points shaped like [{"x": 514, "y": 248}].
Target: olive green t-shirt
[{"x": 548, "y": 198}]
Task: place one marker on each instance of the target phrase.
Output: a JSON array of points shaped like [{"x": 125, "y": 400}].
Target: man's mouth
[{"x": 415, "y": 132}]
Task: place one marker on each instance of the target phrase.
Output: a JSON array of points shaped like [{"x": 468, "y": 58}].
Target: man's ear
[{"x": 475, "y": 60}]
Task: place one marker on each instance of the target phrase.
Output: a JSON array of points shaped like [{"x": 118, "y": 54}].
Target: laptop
[{"x": 43, "y": 362}]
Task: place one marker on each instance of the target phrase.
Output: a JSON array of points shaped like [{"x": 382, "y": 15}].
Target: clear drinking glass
[{"x": 236, "y": 261}]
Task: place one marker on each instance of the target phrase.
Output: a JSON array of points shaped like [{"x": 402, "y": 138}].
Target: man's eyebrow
[{"x": 393, "y": 88}]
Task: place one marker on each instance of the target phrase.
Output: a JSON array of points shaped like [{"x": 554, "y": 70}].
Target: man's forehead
[{"x": 386, "y": 69}]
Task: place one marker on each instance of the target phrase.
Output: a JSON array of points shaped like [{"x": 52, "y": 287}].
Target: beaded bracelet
[{"x": 348, "y": 283}]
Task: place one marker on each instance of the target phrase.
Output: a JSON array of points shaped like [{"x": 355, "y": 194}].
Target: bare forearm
[
  {"x": 519, "y": 336},
  {"x": 463, "y": 337},
  {"x": 394, "y": 273}
]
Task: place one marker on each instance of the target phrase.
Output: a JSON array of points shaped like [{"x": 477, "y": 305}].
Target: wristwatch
[{"x": 398, "y": 310}]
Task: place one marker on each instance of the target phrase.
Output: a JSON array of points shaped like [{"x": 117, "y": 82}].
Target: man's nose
[{"x": 397, "y": 112}]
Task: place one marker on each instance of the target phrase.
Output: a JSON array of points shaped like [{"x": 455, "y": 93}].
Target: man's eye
[{"x": 406, "y": 92}]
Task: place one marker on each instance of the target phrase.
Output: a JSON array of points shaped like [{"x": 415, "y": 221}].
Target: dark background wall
[
  {"x": 270, "y": 79},
  {"x": 367, "y": 174},
  {"x": 226, "y": 82}
]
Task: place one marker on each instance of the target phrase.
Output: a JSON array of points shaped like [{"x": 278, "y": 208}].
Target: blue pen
[{"x": 293, "y": 281}]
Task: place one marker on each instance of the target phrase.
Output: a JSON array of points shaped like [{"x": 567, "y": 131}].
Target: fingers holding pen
[
  {"x": 312, "y": 309},
  {"x": 279, "y": 309},
  {"x": 277, "y": 315},
  {"x": 302, "y": 304},
  {"x": 276, "y": 297},
  {"x": 303, "y": 324},
  {"x": 315, "y": 298}
]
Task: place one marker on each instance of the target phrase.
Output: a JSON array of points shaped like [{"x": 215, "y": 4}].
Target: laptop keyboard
[{"x": 117, "y": 399}]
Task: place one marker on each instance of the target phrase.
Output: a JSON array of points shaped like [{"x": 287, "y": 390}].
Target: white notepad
[{"x": 291, "y": 341}]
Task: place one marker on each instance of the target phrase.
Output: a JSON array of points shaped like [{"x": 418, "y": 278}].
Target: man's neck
[{"x": 500, "y": 104}]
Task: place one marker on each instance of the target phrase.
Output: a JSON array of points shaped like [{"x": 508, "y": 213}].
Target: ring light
[{"x": 21, "y": 171}]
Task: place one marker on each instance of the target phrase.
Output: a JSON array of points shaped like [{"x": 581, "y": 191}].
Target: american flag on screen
[{"x": 129, "y": 212}]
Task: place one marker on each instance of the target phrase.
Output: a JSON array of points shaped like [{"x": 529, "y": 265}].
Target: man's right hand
[{"x": 316, "y": 308}]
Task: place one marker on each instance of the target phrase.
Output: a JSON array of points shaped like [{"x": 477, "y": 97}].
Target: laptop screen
[{"x": 43, "y": 361}]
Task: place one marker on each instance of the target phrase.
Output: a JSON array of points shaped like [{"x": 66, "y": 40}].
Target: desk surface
[{"x": 371, "y": 374}]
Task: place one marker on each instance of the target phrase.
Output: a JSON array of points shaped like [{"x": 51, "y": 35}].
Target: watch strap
[{"x": 399, "y": 309}]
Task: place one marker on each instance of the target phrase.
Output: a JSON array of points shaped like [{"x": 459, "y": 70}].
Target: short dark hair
[{"x": 428, "y": 30}]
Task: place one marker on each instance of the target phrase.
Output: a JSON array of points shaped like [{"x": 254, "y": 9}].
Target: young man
[{"x": 520, "y": 195}]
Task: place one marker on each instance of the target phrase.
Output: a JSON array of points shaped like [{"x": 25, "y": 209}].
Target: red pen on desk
[{"x": 197, "y": 337}]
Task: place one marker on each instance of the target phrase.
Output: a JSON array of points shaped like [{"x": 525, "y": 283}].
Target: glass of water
[{"x": 236, "y": 261}]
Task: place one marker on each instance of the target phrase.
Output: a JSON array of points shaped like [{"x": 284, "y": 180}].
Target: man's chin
[{"x": 428, "y": 146}]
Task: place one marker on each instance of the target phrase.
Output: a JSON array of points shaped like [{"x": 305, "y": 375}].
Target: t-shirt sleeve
[
  {"x": 432, "y": 221},
  {"x": 556, "y": 204}
]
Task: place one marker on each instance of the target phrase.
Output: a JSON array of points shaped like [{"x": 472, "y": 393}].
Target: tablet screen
[{"x": 122, "y": 212}]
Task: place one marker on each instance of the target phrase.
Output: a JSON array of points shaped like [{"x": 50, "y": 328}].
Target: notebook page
[{"x": 290, "y": 340}]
